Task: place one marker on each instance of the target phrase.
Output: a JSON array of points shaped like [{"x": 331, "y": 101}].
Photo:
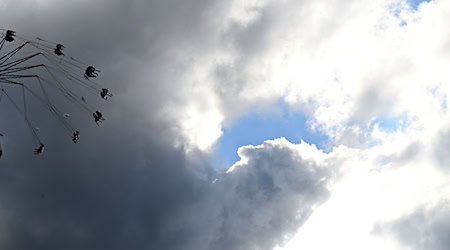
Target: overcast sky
[{"x": 241, "y": 124}]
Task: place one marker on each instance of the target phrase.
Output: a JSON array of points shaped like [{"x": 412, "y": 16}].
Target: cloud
[
  {"x": 236, "y": 55},
  {"x": 146, "y": 199},
  {"x": 440, "y": 152},
  {"x": 180, "y": 71},
  {"x": 270, "y": 194},
  {"x": 424, "y": 228}
]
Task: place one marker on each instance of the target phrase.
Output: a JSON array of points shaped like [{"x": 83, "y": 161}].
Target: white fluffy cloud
[
  {"x": 345, "y": 64},
  {"x": 262, "y": 201},
  {"x": 349, "y": 66}
]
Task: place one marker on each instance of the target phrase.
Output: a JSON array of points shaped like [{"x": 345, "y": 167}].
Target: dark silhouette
[
  {"x": 21, "y": 61},
  {"x": 90, "y": 72},
  {"x": 40, "y": 149},
  {"x": 76, "y": 136},
  {"x": 9, "y": 37},
  {"x": 98, "y": 117},
  {"x": 58, "y": 50},
  {"x": 105, "y": 94},
  {"x": 1, "y": 150}
]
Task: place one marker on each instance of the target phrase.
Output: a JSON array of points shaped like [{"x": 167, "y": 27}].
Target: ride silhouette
[{"x": 26, "y": 62}]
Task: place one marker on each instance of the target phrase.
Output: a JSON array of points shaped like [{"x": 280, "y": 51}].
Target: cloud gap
[{"x": 256, "y": 127}]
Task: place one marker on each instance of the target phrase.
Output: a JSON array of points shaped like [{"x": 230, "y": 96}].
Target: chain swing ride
[{"x": 36, "y": 62}]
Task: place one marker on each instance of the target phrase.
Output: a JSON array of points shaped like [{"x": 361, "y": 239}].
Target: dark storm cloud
[
  {"x": 124, "y": 185},
  {"x": 92, "y": 201},
  {"x": 425, "y": 228},
  {"x": 155, "y": 198}
]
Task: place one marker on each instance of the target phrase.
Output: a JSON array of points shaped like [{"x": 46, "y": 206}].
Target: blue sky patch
[
  {"x": 254, "y": 128},
  {"x": 391, "y": 123},
  {"x": 415, "y": 3}
]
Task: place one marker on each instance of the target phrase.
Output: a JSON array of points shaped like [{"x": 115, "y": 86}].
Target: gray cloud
[
  {"x": 283, "y": 187},
  {"x": 155, "y": 198},
  {"x": 441, "y": 149},
  {"x": 371, "y": 102},
  {"x": 425, "y": 228},
  {"x": 409, "y": 154},
  {"x": 125, "y": 185}
]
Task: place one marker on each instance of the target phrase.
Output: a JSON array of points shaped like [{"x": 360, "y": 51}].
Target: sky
[
  {"x": 242, "y": 124},
  {"x": 255, "y": 127}
]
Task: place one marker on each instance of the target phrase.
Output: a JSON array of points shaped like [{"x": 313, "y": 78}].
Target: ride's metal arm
[
  {"x": 17, "y": 62},
  {"x": 11, "y": 82},
  {"x": 13, "y": 70},
  {"x": 12, "y": 53}
]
